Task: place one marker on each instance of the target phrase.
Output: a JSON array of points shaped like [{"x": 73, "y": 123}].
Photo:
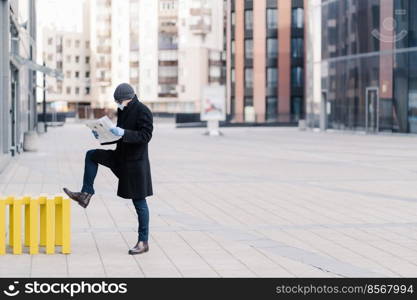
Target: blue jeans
[
  {"x": 142, "y": 211},
  {"x": 141, "y": 206},
  {"x": 90, "y": 172}
]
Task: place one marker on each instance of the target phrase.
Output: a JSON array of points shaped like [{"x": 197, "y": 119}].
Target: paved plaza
[{"x": 256, "y": 202}]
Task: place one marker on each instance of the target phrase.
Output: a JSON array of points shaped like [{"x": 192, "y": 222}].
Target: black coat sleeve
[
  {"x": 109, "y": 143},
  {"x": 145, "y": 125}
]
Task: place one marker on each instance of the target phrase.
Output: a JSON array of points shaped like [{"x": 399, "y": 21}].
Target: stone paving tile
[{"x": 257, "y": 202}]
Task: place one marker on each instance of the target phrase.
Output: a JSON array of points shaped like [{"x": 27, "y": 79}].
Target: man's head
[{"x": 123, "y": 94}]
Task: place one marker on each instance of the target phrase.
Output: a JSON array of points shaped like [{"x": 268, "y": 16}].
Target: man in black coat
[{"x": 129, "y": 161}]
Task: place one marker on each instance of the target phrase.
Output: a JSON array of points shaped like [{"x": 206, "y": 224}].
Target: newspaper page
[{"x": 102, "y": 127}]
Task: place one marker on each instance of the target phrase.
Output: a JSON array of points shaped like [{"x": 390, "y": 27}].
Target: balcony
[
  {"x": 215, "y": 63},
  {"x": 168, "y": 63},
  {"x": 104, "y": 80},
  {"x": 200, "y": 11},
  {"x": 104, "y": 49},
  {"x": 104, "y": 65},
  {"x": 103, "y": 34},
  {"x": 200, "y": 27},
  {"x": 134, "y": 64},
  {"x": 168, "y": 95},
  {"x": 167, "y": 80}
]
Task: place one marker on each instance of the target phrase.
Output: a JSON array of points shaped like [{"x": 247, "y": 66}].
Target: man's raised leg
[{"x": 92, "y": 159}]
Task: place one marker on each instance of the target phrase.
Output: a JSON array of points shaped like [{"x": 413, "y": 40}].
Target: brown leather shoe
[
  {"x": 82, "y": 199},
  {"x": 140, "y": 247}
]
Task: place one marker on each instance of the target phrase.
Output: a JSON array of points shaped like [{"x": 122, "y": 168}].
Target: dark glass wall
[{"x": 369, "y": 74}]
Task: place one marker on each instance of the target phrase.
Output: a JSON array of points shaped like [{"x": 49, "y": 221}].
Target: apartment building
[
  {"x": 107, "y": 26},
  {"x": 169, "y": 50},
  {"x": 68, "y": 52},
  {"x": 181, "y": 50},
  {"x": 134, "y": 26},
  {"x": 265, "y": 65}
]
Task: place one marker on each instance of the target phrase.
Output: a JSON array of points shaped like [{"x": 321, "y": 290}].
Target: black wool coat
[{"x": 131, "y": 160}]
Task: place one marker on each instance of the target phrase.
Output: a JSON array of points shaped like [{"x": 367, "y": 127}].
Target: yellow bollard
[
  {"x": 34, "y": 226},
  {"x": 2, "y": 226},
  {"x": 11, "y": 223},
  {"x": 17, "y": 224},
  {"x": 50, "y": 228},
  {"x": 26, "y": 201},
  {"x": 42, "y": 202},
  {"x": 53, "y": 215},
  {"x": 58, "y": 221},
  {"x": 66, "y": 226}
]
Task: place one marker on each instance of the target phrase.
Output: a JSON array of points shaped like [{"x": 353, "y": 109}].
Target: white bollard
[
  {"x": 302, "y": 125},
  {"x": 30, "y": 141}
]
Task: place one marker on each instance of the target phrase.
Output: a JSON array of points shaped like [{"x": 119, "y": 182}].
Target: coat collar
[{"x": 122, "y": 114}]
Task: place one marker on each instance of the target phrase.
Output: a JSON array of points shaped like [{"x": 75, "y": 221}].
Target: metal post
[{"x": 44, "y": 101}]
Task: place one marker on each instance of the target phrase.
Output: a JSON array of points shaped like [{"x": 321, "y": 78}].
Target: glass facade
[
  {"x": 272, "y": 48},
  {"x": 248, "y": 49},
  {"x": 297, "y": 47},
  {"x": 271, "y": 18},
  {"x": 248, "y": 19},
  {"x": 297, "y": 18},
  {"x": 368, "y": 65}
]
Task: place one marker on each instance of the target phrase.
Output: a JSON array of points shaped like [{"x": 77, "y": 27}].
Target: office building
[
  {"x": 17, "y": 78},
  {"x": 365, "y": 76},
  {"x": 266, "y": 60}
]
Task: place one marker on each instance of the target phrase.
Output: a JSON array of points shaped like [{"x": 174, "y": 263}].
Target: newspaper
[{"x": 102, "y": 127}]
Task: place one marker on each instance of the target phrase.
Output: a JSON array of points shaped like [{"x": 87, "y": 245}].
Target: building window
[
  {"x": 233, "y": 76},
  {"x": 87, "y": 44},
  {"x": 272, "y": 48},
  {"x": 296, "y": 107},
  {"x": 272, "y": 77},
  {"x": 68, "y": 43},
  {"x": 77, "y": 74},
  {"x": 68, "y": 58},
  {"x": 271, "y": 108},
  {"x": 68, "y": 90},
  {"x": 233, "y": 18},
  {"x": 248, "y": 19},
  {"x": 68, "y": 74},
  {"x": 77, "y": 59},
  {"x": 77, "y": 43},
  {"x": 297, "y": 19},
  {"x": 50, "y": 57},
  {"x": 272, "y": 18},
  {"x": 50, "y": 41},
  {"x": 77, "y": 90},
  {"x": 248, "y": 78},
  {"x": 248, "y": 49},
  {"x": 248, "y": 101},
  {"x": 297, "y": 77},
  {"x": 87, "y": 90},
  {"x": 87, "y": 59},
  {"x": 233, "y": 47},
  {"x": 297, "y": 47},
  {"x": 87, "y": 74}
]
